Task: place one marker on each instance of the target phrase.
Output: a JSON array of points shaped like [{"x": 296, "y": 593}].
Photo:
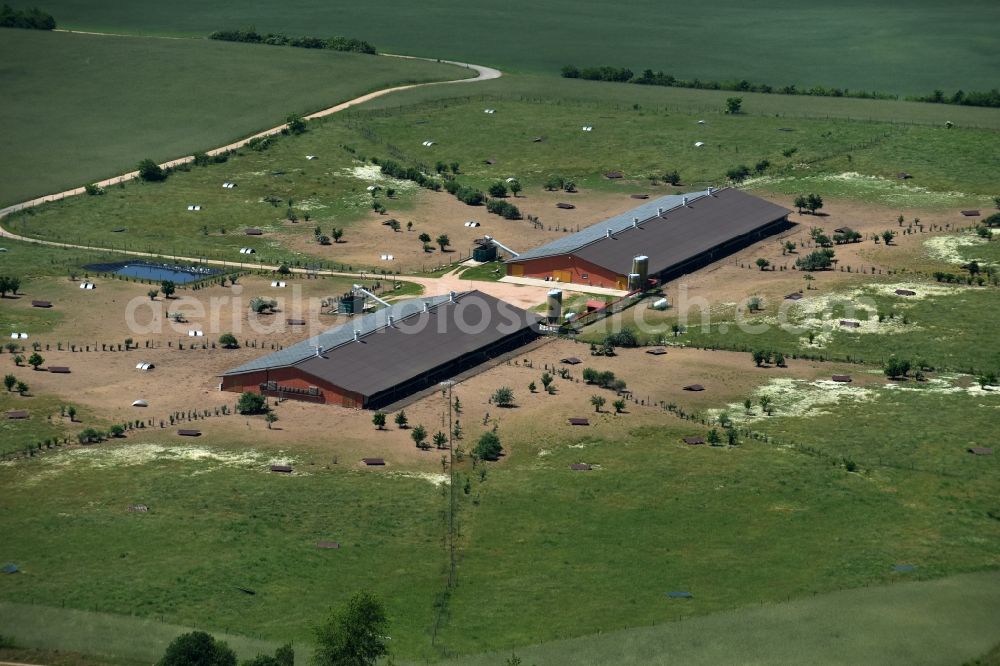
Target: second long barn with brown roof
[
  {"x": 382, "y": 357},
  {"x": 668, "y": 236}
]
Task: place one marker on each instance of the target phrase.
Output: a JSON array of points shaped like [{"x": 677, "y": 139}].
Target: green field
[
  {"x": 646, "y": 141},
  {"x": 659, "y": 516},
  {"x": 927, "y": 46},
  {"x": 86, "y": 107},
  {"x": 642, "y": 142},
  {"x": 883, "y": 625}
]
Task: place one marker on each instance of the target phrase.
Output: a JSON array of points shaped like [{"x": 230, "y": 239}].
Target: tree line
[
  {"x": 30, "y": 19},
  {"x": 988, "y": 98},
  {"x": 251, "y": 36},
  {"x": 651, "y": 78}
]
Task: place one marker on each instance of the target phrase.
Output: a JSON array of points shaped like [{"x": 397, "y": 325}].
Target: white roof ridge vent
[
  {"x": 635, "y": 223},
  {"x": 659, "y": 211},
  {"x": 711, "y": 191},
  {"x": 684, "y": 201},
  {"x": 451, "y": 296},
  {"x": 357, "y": 334},
  {"x": 391, "y": 320},
  {"x": 607, "y": 233}
]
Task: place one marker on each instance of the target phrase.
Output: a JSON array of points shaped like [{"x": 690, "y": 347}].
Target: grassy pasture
[
  {"x": 647, "y": 141},
  {"x": 642, "y": 143},
  {"x": 885, "y": 625},
  {"x": 90, "y": 107},
  {"x": 928, "y": 46},
  {"x": 529, "y": 87},
  {"x": 950, "y": 330},
  {"x": 658, "y": 516}
]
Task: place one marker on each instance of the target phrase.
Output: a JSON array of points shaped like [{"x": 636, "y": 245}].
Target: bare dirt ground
[
  {"x": 107, "y": 382},
  {"x": 436, "y": 213},
  {"x": 737, "y": 277}
]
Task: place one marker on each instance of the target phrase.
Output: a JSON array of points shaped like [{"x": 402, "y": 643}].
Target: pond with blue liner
[{"x": 145, "y": 270}]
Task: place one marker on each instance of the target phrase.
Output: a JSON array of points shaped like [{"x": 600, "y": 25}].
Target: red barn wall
[
  {"x": 568, "y": 268},
  {"x": 293, "y": 378}
]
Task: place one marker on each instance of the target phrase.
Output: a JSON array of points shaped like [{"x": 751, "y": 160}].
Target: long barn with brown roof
[
  {"x": 382, "y": 357},
  {"x": 675, "y": 234}
]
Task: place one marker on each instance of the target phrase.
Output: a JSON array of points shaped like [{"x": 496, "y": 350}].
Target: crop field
[
  {"x": 108, "y": 102},
  {"x": 926, "y": 47}
]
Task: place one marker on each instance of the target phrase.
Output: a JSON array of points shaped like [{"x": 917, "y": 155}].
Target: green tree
[
  {"x": 454, "y": 167},
  {"x": 11, "y": 284},
  {"x": 734, "y": 105},
  {"x": 283, "y": 269},
  {"x": 270, "y": 418},
  {"x": 788, "y": 247},
  {"x": 18, "y": 360},
  {"x": 887, "y": 236},
  {"x": 759, "y": 357},
  {"x": 22, "y": 388},
  {"x": 168, "y": 288},
  {"x": 443, "y": 241},
  {"x": 672, "y": 177},
  {"x": 498, "y": 189},
  {"x": 228, "y": 341},
  {"x": 763, "y": 263},
  {"x": 152, "y": 294},
  {"x": 401, "y": 419},
  {"x": 738, "y": 174},
  {"x": 354, "y": 635},
  {"x": 895, "y": 368},
  {"x": 9, "y": 381},
  {"x": 197, "y": 649},
  {"x": 35, "y": 361},
  {"x": 713, "y": 437},
  {"x": 532, "y": 387},
  {"x": 800, "y": 202},
  {"x": 546, "y": 380},
  {"x": 619, "y": 406},
  {"x": 816, "y": 261},
  {"x": 503, "y": 397},
  {"x": 597, "y": 401},
  {"x": 440, "y": 440},
  {"x": 488, "y": 447},
  {"x": 251, "y": 403},
  {"x": 378, "y": 419},
  {"x": 814, "y": 202},
  {"x": 337, "y": 234},
  {"x": 779, "y": 359},
  {"x": 261, "y": 305},
  {"x": 419, "y": 436},
  {"x": 71, "y": 413},
  {"x": 515, "y": 187},
  {"x": 296, "y": 124},
  {"x": 151, "y": 172},
  {"x": 116, "y": 430}
]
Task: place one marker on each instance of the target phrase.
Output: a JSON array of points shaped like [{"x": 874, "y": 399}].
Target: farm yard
[{"x": 784, "y": 453}]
